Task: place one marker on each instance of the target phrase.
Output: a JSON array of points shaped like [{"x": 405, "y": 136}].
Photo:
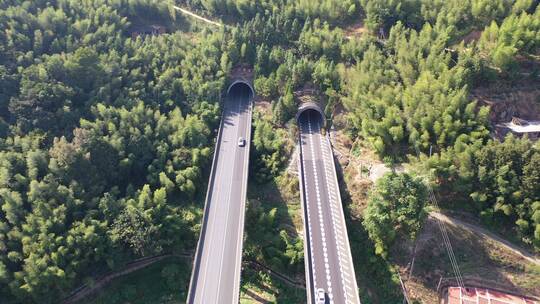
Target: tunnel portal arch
[
  {"x": 240, "y": 82},
  {"x": 310, "y": 106}
]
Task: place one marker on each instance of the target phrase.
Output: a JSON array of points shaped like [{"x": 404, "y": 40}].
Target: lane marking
[
  {"x": 212, "y": 217},
  {"x": 335, "y": 225},
  {"x": 355, "y": 297},
  {"x": 319, "y": 206},
  {"x": 243, "y": 199},
  {"x": 336, "y": 221},
  {"x": 228, "y": 205},
  {"x": 313, "y": 269}
]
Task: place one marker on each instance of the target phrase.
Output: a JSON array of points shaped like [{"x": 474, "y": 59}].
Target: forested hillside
[
  {"x": 327, "y": 10},
  {"x": 105, "y": 140},
  {"x": 106, "y": 136}
]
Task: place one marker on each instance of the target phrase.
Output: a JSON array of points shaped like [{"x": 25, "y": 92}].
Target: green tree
[{"x": 396, "y": 209}]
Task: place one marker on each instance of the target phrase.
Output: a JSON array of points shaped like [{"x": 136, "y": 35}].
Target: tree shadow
[
  {"x": 166, "y": 279},
  {"x": 271, "y": 239},
  {"x": 478, "y": 266},
  {"x": 377, "y": 280}
]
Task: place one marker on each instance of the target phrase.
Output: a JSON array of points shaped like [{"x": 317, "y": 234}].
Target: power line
[{"x": 444, "y": 231}]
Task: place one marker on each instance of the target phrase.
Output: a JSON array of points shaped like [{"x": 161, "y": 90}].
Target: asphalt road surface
[
  {"x": 329, "y": 260},
  {"x": 216, "y": 270}
]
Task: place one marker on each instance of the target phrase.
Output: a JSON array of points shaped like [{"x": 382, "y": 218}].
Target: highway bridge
[
  {"x": 216, "y": 269},
  {"x": 217, "y": 265},
  {"x": 327, "y": 253}
]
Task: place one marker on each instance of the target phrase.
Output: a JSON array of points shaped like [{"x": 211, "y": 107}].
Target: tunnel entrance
[
  {"x": 240, "y": 87},
  {"x": 311, "y": 109}
]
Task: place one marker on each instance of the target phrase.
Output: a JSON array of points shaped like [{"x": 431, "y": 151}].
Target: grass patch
[{"x": 479, "y": 259}]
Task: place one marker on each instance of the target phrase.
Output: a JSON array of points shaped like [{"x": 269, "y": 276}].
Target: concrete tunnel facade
[
  {"x": 241, "y": 82},
  {"x": 310, "y": 106},
  {"x": 303, "y": 108}
]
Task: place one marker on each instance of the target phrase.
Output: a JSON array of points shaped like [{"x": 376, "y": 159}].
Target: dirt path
[
  {"x": 88, "y": 289},
  {"x": 184, "y": 11},
  {"x": 488, "y": 235}
]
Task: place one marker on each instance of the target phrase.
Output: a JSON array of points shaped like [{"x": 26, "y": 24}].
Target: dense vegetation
[
  {"x": 499, "y": 180},
  {"x": 456, "y": 16},
  {"x": 270, "y": 153},
  {"x": 396, "y": 208},
  {"x": 163, "y": 282},
  {"x": 515, "y": 35},
  {"x": 410, "y": 94},
  {"x": 327, "y": 10},
  {"x": 106, "y": 140}
]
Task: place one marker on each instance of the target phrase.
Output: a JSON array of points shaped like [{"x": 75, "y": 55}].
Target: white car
[
  {"x": 321, "y": 296},
  {"x": 241, "y": 141}
]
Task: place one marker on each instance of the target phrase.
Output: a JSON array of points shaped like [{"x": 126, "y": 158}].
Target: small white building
[{"x": 519, "y": 127}]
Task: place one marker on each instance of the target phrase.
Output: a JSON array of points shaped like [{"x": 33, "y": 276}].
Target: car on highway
[
  {"x": 241, "y": 141},
  {"x": 321, "y": 296}
]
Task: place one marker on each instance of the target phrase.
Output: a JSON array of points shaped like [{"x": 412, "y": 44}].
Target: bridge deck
[
  {"x": 217, "y": 265},
  {"x": 329, "y": 262}
]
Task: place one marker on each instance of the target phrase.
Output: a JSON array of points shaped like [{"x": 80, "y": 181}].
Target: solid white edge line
[
  {"x": 337, "y": 230},
  {"x": 243, "y": 200},
  {"x": 207, "y": 207},
  {"x": 308, "y": 242},
  {"x": 228, "y": 205},
  {"x": 350, "y": 262},
  {"x": 319, "y": 205}
]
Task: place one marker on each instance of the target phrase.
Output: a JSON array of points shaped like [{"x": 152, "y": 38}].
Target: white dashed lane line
[
  {"x": 313, "y": 271},
  {"x": 321, "y": 221},
  {"x": 331, "y": 224},
  {"x": 335, "y": 221}
]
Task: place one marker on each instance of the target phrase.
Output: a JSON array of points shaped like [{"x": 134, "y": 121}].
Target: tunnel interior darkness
[
  {"x": 240, "y": 88},
  {"x": 313, "y": 111}
]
